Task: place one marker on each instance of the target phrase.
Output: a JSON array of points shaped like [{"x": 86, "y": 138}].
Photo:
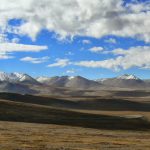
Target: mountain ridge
[
  {"x": 23, "y": 83},
  {"x": 69, "y": 81}
]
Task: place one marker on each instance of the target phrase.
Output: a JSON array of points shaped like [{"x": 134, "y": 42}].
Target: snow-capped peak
[
  {"x": 14, "y": 77},
  {"x": 128, "y": 77},
  {"x": 21, "y": 76},
  {"x": 3, "y": 76}
]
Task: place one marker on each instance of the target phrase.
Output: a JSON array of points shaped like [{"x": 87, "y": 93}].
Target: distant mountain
[
  {"x": 17, "y": 78},
  {"x": 147, "y": 80},
  {"x": 25, "y": 84},
  {"x": 124, "y": 81},
  {"x": 77, "y": 82}
]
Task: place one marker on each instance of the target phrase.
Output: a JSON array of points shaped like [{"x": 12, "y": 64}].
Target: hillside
[{"x": 43, "y": 110}]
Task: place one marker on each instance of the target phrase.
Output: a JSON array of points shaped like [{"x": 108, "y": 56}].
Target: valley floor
[{"x": 29, "y": 136}]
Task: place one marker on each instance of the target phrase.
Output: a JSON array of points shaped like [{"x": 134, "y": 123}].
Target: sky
[{"x": 94, "y": 39}]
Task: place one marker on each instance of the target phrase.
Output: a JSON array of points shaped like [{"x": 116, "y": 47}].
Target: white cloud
[
  {"x": 15, "y": 40},
  {"x": 138, "y": 7},
  {"x": 14, "y": 47},
  {"x": 3, "y": 38},
  {"x": 5, "y": 56},
  {"x": 71, "y": 71},
  {"x": 109, "y": 64},
  {"x": 60, "y": 63},
  {"x": 95, "y": 18},
  {"x": 133, "y": 57},
  {"x": 96, "y": 49},
  {"x": 123, "y": 59},
  {"x": 7, "y": 49},
  {"x": 111, "y": 41},
  {"x": 86, "y": 42},
  {"x": 35, "y": 60}
]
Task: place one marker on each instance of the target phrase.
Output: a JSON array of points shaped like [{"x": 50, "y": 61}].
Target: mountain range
[
  {"x": 24, "y": 83},
  {"x": 71, "y": 82}
]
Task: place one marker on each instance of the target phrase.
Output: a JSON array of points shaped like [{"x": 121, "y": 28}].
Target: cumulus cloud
[
  {"x": 60, "y": 63},
  {"x": 125, "y": 59},
  {"x": 96, "y": 49},
  {"x": 95, "y": 18},
  {"x": 35, "y": 60}
]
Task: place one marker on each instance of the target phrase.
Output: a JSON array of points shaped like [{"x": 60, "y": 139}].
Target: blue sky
[{"x": 93, "y": 42}]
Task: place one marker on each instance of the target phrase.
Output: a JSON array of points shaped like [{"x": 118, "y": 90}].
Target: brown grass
[{"x": 26, "y": 136}]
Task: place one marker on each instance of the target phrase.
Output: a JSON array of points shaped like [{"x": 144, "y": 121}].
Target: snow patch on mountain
[
  {"x": 71, "y": 77},
  {"x": 128, "y": 77},
  {"x": 43, "y": 79}
]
